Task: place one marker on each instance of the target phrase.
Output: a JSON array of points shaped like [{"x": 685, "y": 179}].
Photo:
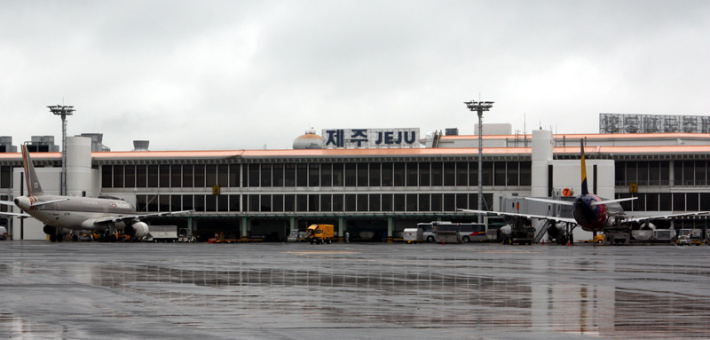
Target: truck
[
  {"x": 664, "y": 235},
  {"x": 519, "y": 232},
  {"x": 320, "y": 233},
  {"x": 183, "y": 236},
  {"x": 413, "y": 235},
  {"x": 162, "y": 233},
  {"x": 294, "y": 236},
  {"x": 446, "y": 232},
  {"x": 683, "y": 238},
  {"x": 689, "y": 237},
  {"x": 696, "y": 237}
]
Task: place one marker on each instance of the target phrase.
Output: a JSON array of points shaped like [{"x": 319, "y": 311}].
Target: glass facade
[
  {"x": 399, "y": 186},
  {"x": 412, "y": 174}
]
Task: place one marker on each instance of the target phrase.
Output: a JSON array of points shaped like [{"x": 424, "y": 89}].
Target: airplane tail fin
[
  {"x": 33, "y": 185},
  {"x": 585, "y": 188}
]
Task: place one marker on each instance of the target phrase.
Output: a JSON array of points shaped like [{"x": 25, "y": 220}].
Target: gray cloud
[{"x": 232, "y": 75}]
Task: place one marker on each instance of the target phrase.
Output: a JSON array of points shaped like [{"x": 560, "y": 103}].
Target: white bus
[{"x": 468, "y": 232}]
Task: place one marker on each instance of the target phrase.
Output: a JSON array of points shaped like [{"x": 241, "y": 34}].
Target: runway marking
[
  {"x": 508, "y": 252},
  {"x": 321, "y": 252}
]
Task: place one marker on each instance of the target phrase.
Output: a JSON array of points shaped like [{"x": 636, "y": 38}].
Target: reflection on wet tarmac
[{"x": 366, "y": 291}]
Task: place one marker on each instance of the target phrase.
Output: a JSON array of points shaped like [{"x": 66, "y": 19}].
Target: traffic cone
[{"x": 543, "y": 242}]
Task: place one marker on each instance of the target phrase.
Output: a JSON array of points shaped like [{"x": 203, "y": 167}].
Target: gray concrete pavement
[{"x": 355, "y": 291}]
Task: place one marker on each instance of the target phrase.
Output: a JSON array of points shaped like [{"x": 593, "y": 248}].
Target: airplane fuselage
[
  {"x": 75, "y": 213},
  {"x": 594, "y": 217}
]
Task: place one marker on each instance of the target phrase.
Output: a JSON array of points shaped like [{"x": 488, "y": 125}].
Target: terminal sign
[{"x": 370, "y": 138}]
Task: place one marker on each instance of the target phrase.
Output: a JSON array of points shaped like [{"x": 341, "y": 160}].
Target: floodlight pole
[
  {"x": 479, "y": 107},
  {"x": 63, "y": 111}
]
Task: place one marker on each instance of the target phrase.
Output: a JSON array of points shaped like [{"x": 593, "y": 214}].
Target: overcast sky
[{"x": 204, "y": 75}]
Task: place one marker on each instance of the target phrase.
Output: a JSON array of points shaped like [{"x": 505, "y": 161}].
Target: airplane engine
[
  {"x": 49, "y": 230},
  {"x": 554, "y": 232},
  {"x": 648, "y": 225},
  {"x": 137, "y": 230}
]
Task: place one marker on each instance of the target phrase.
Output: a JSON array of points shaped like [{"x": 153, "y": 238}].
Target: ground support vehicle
[
  {"x": 524, "y": 235},
  {"x": 3, "y": 233},
  {"x": 413, "y": 235},
  {"x": 664, "y": 235},
  {"x": 220, "y": 238},
  {"x": 162, "y": 233},
  {"x": 320, "y": 233},
  {"x": 293, "y": 236},
  {"x": 696, "y": 237},
  {"x": 617, "y": 236},
  {"x": 684, "y": 237},
  {"x": 183, "y": 237},
  {"x": 519, "y": 232},
  {"x": 475, "y": 232},
  {"x": 446, "y": 232},
  {"x": 427, "y": 232}
]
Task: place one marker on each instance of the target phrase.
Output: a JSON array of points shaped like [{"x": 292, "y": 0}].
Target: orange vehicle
[{"x": 320, "y": 233}]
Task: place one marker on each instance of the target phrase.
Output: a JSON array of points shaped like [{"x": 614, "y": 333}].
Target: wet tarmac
[{"x": 356, "y": 291}]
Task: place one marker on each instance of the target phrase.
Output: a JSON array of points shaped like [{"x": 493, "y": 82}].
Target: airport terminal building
[{"x": 373, "y": 183}]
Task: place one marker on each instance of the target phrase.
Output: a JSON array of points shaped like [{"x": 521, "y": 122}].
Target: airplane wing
[
  {"x": 36, "y": 204},
  {"x": 614, "y": 201},
  {"x": 9, "y": 213},
  {"x": 125, "y": 218},
  {"x": 545, "y": 200},
  {"x": 539, "y": 217},
  {"x": 14, "y": 214},
  {"x": 664, "y": 217}
]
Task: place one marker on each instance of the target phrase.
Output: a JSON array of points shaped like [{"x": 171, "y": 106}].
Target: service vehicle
[
  {"x": 696, "y": 237},
  {"x": 162, "y": 233},
  {"x": 683, "y": 238},
  {"x": 473, "y": 232},
  {"x": 293, "y": 236},
  {"x": 427, "y": 232},
  {"x": 664, "y": 235},
  {"x": 320, "y": 233},
  {"x": 183, "y": 236},
  {"x": 3, "y": 233},
  {"x": 446, "y": 232},
  {"x": 413, "y": 235},
  {"x": 519, "y": 232}
]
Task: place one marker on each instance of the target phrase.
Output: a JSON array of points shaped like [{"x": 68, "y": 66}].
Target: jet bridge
[{"x": 519, "y": 205}]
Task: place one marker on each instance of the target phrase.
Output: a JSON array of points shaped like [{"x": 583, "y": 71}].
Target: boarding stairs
[{"x": 543, "y": 230}]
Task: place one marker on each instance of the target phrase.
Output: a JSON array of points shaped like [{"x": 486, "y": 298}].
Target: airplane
[
  {"x": 63, "y": 214},
  {"x": 590, "y": 212}
]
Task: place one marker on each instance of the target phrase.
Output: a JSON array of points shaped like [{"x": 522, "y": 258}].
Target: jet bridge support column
[
  {"x": 390, "y": 229},
  {"x": 243, "y": 227},
  {"x": 542, "y": 155},
  {"x": 341, "y": 229},
  {"x": 190, "y": 227},
  {"x": 292, "y": 225}
]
